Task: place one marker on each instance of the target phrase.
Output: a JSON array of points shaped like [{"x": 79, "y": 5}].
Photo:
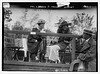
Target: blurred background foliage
[{"x": 80, "y": 22}]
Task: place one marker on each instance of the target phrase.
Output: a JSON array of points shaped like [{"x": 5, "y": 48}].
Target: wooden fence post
[
  {"x": 44, "y": 44},
  {"x": 73, "y": 49}
]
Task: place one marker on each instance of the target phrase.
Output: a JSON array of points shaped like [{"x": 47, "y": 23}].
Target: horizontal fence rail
[{"x": 43, "y": 34}]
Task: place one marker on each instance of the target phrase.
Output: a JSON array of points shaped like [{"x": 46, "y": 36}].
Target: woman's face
[
  {"x": 41, "y": 26},
  {"x": 65, "y": 27}
]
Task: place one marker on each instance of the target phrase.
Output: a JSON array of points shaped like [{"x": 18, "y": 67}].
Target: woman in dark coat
[
  {"x": 53, "y": 51},
  {"x": 64, "y": 29},
  {"x": 34, "y": 41}
]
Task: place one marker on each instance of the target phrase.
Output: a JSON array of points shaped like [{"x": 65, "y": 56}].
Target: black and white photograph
[{"x": 50, "y": 36}]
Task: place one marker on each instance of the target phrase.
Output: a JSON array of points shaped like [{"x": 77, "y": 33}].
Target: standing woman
[{"x": 34, "y": 41}]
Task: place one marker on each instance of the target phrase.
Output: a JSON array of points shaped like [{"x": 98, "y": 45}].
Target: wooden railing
[
  {"x": 50, "y": 34},
  {"x": 43, "y": 34}
]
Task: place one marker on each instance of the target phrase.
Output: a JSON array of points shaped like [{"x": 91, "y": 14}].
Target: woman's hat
[
  {"x": 41, "y": 21},
  {"x": 65, "y": 23}
]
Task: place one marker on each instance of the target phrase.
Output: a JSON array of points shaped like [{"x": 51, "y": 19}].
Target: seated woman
[{"x": 52, "y": 52}]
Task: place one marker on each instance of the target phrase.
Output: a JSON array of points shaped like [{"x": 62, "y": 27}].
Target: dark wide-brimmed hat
[
  {"x": 88, "y": 32},
  {"x": 65, "y": 23},
  {"x": 41, "y": 21}
]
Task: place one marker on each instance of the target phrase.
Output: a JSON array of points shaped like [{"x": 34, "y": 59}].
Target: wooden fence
[
  {"x": 49, "y": 34},
  {"x": 33, "y": 66}
]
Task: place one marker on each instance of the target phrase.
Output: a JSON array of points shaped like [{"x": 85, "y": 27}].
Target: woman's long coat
[{"x": 32, "y": 44}]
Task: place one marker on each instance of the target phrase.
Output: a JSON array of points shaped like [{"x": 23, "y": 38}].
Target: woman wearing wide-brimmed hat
[
  {"x": 34, "y": 41},
  {"x": 53, "y": 51}
]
